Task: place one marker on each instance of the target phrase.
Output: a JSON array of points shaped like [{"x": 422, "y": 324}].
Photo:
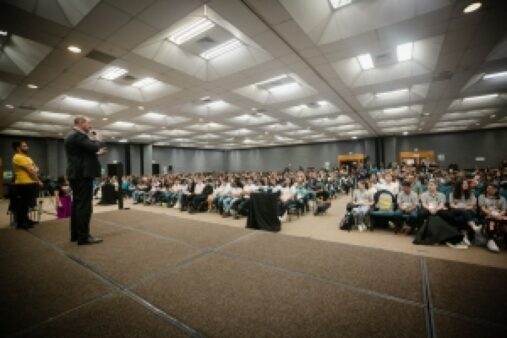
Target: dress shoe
[{"x": 89, "y": 241}]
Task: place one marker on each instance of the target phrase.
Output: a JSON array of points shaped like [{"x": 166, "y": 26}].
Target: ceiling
[{"x": 291, "y": 71}]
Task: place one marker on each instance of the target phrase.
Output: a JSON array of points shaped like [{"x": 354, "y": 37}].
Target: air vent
[
  {"x": 31, "y": 108},
  {"x": 442, "y": 76},
  {"x": 100, "y": 57},
  {"x": 206, "y": 39}
]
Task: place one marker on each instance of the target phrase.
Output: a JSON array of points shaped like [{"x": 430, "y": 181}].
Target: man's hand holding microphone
[{"x": 97, "y": 137}]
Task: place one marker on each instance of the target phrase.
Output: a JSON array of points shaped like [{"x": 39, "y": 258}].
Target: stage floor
[{"x": 160, "y": 275}]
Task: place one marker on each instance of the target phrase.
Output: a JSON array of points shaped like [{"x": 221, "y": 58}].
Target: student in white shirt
[{"x": 362, "y": 200}]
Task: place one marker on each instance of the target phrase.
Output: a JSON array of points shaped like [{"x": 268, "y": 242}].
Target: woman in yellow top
[{"x": 25, "y": 184}]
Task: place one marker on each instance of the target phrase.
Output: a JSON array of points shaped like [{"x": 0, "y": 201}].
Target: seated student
[
  {"x": 408, "y": 202},
  {"x": 235, "y": 194},
  {"x": 199, "y": 200},
  {"x": 493, "y": 208},
  {"x": 362, "y": 200},
  {"x": 300, "y": 192},
  {"x": 140, "y": 189},
  {"x": 193, "y": 184},
  {"x": 220, "y": 193},
  {"x": 433, "y": 204},
  {"x": 388, "y": 184},
  {"x": 463, "y": 204},
  {"x": 286, "y": 198}
]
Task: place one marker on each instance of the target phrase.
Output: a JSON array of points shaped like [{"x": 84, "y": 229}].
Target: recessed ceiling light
[
  {"x": 405, "y": 133},
  {"x": 392, "y": 92},
  {"x": 74, "y": 49},
  {"x": 354, "y": 137},
  {"x": 9, "y": 106},
  {"x": 495, "y": 75},
  {"x": 480, "y": 97},
  {"x": 140, "y": 107},
  {"x": 104, "y": 119},
  {"x": 221, "y": 49},
  {"x": 477, "y": 124},
  {"x": 404, "y": 51},
  {"x": 191, "y": 30},
  {"x": 123, "y": 140},
  {"x": 147, "y": 81},
  {"x": 426, "y": 114},
  {"x": 492, "y": 116},
  {"x": 283, "y": 86},
  {"x": 3, "y": 33},
  {"x": 322, "y": 103},
  {"x": 365, "y": 61},
  {"x": 112, "y": 137},
  {"x": 32, "y": 86},
  {"x": 472, "y": 7},
  {"x": 339, "y": 3},
  {"x": 113, "y": 73}
]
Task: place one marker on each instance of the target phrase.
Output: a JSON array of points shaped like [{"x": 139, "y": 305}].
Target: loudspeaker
[
  {"x": 155, "y": 169},
  {"x": 169, "y": 168}
]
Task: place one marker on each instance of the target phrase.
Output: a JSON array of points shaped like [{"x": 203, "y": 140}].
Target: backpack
[
  {"x": 384, "y": 200},
  {"x": 347, "y": 222}
]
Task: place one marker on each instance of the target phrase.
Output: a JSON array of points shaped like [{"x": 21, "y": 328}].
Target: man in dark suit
[{"x": 82, "y": 147}]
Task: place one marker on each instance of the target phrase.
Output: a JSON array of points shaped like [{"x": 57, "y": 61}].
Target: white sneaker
[
  {"x": 477, "y": 228},
  {"x": 466, "y": 241},
  {"x": 361, "y": 227},
  {"x": 177, "y": 205},
  {"x": 283, "y": 218},
  {"x": 460, "y": 245},
  {"x": 492, "y": 246}
]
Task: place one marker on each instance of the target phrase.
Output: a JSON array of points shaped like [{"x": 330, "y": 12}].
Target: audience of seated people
[
  {"x": 403, "y": 198},
  {"x": 468, "y": 204}
]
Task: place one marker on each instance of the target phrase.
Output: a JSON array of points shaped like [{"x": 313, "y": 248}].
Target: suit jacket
[{"x": 82, "y": 158}]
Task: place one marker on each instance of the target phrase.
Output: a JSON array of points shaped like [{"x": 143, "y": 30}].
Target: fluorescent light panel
[
  {"x": 404, "y": 51},
  {"x": 191, "y": 30},
  {"x": 283, "y": 86},
  {"x": 365, "y": 61},
  {"x": 480, "y": 97},
  {"x": 221, "y": 49},
  {"x": 123, "y": 124},
  {"x": 395, "y": 110},
  {"x": 392, "y": 93},
  {"x": 495, "y": 75},
  {"x": 52, "y": 115},
  {"x": 336, "y": 4},
  {"x": 152, "y": 115},
  {"x": 113, "y": 73},
  {"x": 273, "y": 79},
  {"x": 76, "y": 100},
  {"x": 147, "y": 81}
]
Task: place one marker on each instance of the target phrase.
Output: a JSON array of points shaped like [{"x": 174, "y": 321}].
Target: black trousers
[
  {"x": 82, "y": 193},
  {"x": 22, "y": 199}
]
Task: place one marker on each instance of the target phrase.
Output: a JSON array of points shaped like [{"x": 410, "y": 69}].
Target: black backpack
[{"x": 347, "y": 222}]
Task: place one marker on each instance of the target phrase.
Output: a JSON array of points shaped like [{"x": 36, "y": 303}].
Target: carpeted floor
[{"x": 164, "y": 276}]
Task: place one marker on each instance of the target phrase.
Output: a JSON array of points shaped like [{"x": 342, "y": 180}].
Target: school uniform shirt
[
  {"x": 462, "y": 202},
  {"x": 407, "y": 200},
  {"x": 493, "y": 203},
  {"x": 432, "y": 200},
  {"x": 359, "y": 196}
]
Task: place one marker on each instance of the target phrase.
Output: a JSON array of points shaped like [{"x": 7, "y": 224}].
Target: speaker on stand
[{"x": 116, "y": 169}]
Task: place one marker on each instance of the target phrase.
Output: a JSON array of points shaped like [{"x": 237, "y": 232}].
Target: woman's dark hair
[
  {"x": 365, "y": 183},
  {"x": 458, "y": 191}
]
